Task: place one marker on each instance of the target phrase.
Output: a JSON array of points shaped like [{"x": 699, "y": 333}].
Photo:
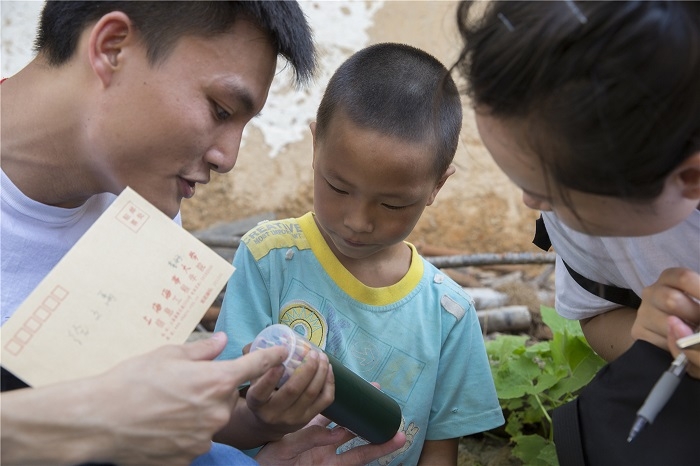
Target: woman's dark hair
[
  {"x": 608, "y": 93},
  {"x": 399, "y": 91},
  {"x": 162, "y": 23}
]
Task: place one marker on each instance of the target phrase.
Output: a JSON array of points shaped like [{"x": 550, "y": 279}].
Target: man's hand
[{"x": 159, "y": 408}]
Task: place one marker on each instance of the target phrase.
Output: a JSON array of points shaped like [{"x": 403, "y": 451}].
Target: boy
[{"x": 386, "y": 133}]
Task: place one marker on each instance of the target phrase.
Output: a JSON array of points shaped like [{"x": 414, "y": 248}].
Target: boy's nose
[{"x": 359, "y": 219}]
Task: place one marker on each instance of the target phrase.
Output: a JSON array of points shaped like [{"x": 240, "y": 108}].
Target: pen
[{"x": 659, "y": 395}]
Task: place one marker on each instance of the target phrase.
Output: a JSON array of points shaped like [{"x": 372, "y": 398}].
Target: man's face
[{"x": 162, "y": 128}]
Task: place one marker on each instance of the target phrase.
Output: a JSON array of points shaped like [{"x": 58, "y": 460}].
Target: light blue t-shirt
[{"x": 420, "y": 338}]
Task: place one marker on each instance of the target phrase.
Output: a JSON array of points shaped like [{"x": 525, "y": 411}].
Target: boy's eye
[
  {"x": 340, "y": 191},
  {"x": 220, "y": 113},
  {"x": 393, "y": 207}
]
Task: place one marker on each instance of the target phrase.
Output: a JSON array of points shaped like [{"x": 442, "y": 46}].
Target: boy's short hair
[
  {"x": 400, "y": 91},
  {"x": 162, "y": 23}
]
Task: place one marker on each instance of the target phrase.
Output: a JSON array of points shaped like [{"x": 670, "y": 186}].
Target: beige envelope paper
[{"x": 134, "y": 282}]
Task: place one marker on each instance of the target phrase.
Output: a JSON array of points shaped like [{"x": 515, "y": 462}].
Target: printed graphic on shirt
[
  {"x": 274, "y": 235},
  {"x": 382, "y": 361},
  {"x": 305, "y": 320},
  {"x": 410, "y": 431}
]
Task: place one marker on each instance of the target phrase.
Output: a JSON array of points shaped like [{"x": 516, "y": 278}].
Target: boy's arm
[
  {"x": 439, "y": 452},
  {"x": 265, "y": 414}
]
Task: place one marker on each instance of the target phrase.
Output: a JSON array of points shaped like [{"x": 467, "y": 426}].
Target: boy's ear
[
  {"x": 312, "y": 127},
  {"x": 441, "y": 182},
  {"x": 107, "y": 39},
  {"x": 687, "y": 175}
]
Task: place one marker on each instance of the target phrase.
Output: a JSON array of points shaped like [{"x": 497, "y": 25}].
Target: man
[{"x": 153, "y": 95}]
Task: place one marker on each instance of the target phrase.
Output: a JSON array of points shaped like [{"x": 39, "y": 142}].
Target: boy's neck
[{"x": 384, "y": 268}]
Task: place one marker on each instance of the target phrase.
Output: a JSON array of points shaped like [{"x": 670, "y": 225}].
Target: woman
[{"x": 593, "y": 110}]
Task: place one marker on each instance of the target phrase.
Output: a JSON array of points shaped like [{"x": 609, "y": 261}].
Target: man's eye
[{"x": 221, "y": 114}]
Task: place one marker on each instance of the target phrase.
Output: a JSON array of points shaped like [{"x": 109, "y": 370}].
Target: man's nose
[{"x": 222, "y": 156}]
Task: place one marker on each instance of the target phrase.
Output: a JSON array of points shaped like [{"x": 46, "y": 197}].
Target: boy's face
[
  {"x": 162, "y": 128},
  {"x": 369, "y": 189}
]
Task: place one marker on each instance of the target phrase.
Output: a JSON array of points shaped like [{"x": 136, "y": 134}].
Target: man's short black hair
[{"x": 162, "y": 23}]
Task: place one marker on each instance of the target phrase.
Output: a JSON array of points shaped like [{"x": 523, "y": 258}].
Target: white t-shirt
[
  {"x": 34, "y": 237},
  {"x": 633, "y": 263}
]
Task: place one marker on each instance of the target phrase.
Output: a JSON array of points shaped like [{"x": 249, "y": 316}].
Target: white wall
[{"x": 339, "y": 27}]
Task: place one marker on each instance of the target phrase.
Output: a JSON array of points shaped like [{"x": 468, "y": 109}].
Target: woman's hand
[{"x": 675, "y": 293}]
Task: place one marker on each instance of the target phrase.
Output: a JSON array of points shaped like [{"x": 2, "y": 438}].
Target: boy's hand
[
  {"x": 308, "y": 391},
  {"x": 675, "y": 293}
]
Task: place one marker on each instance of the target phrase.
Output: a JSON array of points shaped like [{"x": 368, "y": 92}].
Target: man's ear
[
  {"x": 441, "y": 182},
  {"x": 687, "y": 176},
  {"x": 107, "y": 39}
]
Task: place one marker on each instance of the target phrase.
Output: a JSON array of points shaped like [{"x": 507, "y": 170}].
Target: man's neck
[{"x": 41, "y": 143}]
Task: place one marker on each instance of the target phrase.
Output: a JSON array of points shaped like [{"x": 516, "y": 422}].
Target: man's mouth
[{"x": 187, "y": 188}]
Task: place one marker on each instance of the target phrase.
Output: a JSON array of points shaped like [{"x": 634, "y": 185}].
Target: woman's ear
[
  {"x": 687, "y": 176},
  {"x": 107, "y": 39}
]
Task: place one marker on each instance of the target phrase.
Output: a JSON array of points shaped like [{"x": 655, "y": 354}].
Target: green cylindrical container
[{"x": 358, "y": 405}]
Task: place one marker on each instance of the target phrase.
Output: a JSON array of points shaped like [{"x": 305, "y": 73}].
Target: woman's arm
[{"x": 610, "y": 333}]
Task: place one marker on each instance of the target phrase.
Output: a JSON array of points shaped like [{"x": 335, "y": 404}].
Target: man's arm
[{"x": 159, "y": 408}]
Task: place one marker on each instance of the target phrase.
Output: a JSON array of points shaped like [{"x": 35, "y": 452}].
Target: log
[
  {"x": 505, "y": 319},
  {"x": 486, "y": 298}
]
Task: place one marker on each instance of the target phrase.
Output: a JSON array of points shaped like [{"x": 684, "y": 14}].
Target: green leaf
[
  {"x": 559, "y": 324},
  {"x": 533, "y": 380},
  {"x": 583, "y": 373},
  {"x": 534, "y": 450}
]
